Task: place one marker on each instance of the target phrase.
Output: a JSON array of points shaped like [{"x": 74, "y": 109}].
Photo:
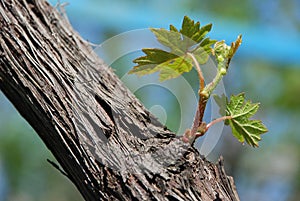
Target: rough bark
[{"x": 107, "y": 143}]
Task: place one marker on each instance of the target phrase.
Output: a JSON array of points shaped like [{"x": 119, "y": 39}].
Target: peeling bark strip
[{"x": 108, "y": 144}]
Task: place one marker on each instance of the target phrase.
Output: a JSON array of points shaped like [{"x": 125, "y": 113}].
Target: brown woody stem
[{"x": 202, "y": 101}]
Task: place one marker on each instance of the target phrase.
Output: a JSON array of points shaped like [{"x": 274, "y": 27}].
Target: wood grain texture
[{"x": 108, "y": 144}]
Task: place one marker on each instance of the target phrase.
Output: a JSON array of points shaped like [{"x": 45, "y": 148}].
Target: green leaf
[
  {"x": 242, "y": 127},
  {"x": 190, "y": 39},
  {"x": 174, "y": 68},
  {"x": 193, "y": 31},
  {"x": 221, "y": 102},
  {"x": 202, "y": 51},
  {"x": 189, "y": 28},
  {"x": 172, "y": 40},
  {"x": 172, "y": 28},
  {"x": 156, "y": 60}
]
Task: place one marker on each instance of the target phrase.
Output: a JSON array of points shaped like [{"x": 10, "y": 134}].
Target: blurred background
[{"x": 266, "y": 67}]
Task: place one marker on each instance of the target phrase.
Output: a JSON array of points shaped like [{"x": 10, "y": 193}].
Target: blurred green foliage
[{"x": 242, "y": 10}]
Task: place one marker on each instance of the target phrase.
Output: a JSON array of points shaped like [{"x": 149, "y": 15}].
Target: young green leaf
[
  {"x": 190, "y": 39},
  {"x": 169, "y": 65},
  {"x": 242, "y": 127},
  {"x": 193, "y": 31},
  {"x": 224, "y": 52}
]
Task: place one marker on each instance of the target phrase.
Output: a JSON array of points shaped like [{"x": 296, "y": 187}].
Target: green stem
[
  {"x": 211, "y": 86},
  {"x": 204, "y": 94},
  {"x": 199, "y": 127}
]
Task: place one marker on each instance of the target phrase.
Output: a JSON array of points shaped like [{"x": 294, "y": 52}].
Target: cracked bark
[{"x": 107, "y": 143}]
